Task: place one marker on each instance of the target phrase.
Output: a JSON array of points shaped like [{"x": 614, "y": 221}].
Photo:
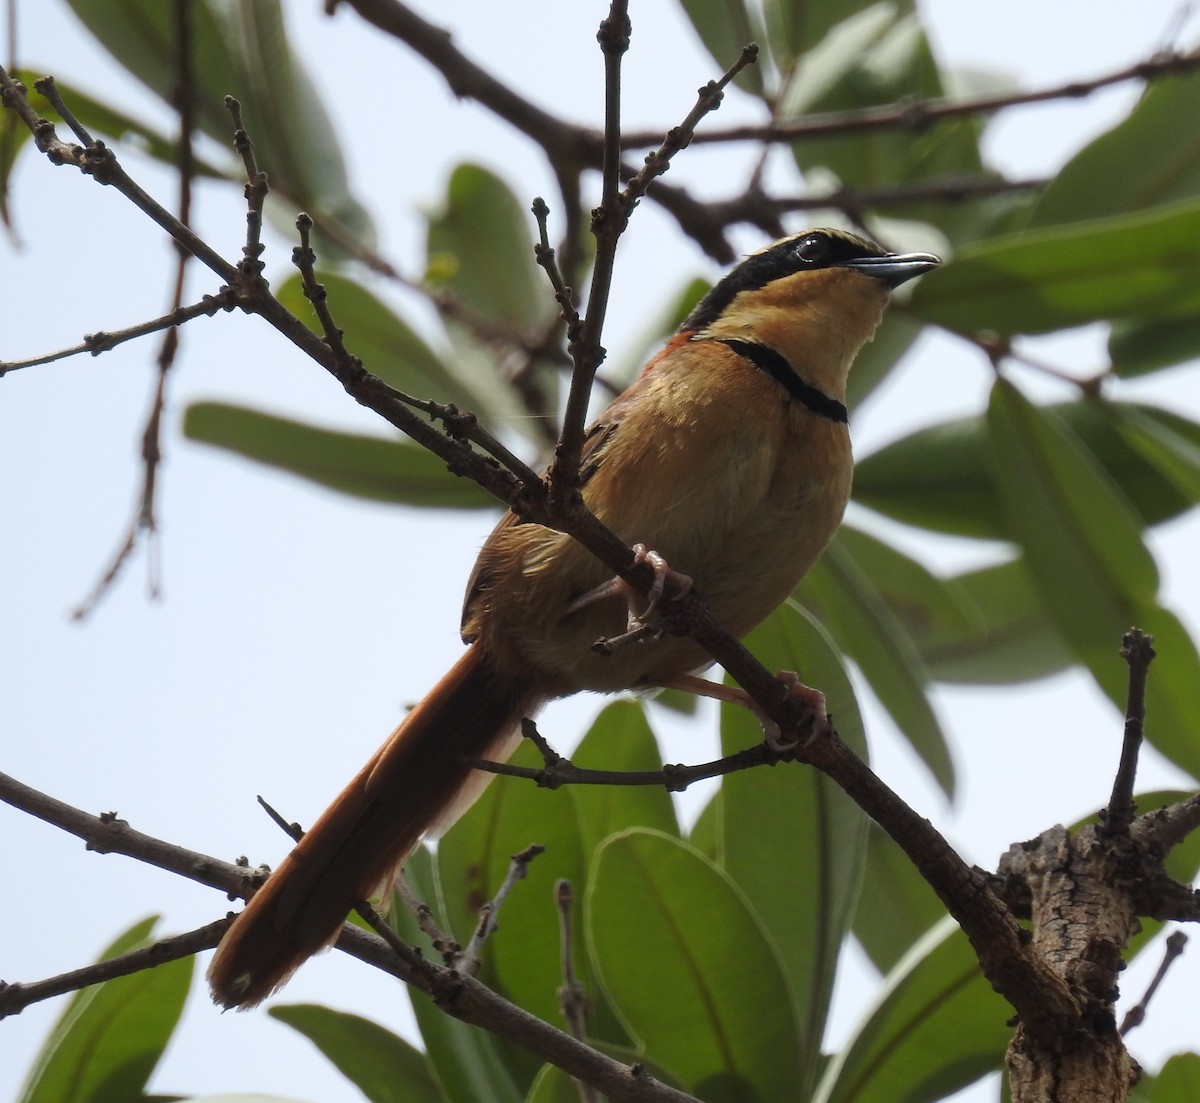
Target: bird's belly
[{"x": 743, "y": 574}]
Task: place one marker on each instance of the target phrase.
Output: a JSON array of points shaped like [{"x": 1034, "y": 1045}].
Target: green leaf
[
  {"x": 877, "y": 56},
  {"x": 1174, "y": 452},
  {"x": 896, "y": 906},
  {"x": 844, "y": 595},
  {"x": 1138, "y": 265},
  {"x": 1179, "y": 1081},
  {"x": 1081, "y": 537},
  {"x": 621, "y": 739},
  {"x": 806, "y": 908},
  {"x": 480, "y": 247},
  {"x": 924, "y": 603},
  {"x": 112, "y": 1035},
  {"x": 1137, "y": 347},
  {"x": 1130, "y": 167},
  {"x": 14, "y": 137},
  {"x": 939, "y": 478},
  {"x": 470, "y": 1065},
  {"x": 520, "y": 959},
  {"x": 1087, "y": 559},
  {"x": 796, "y": 26},
  {"x": 725, "y": 26},
  {"x": 935, "y": 1027},
  {"x": 100, "y": 118},
  {"x": 392, "y": 350},
  {"x": 382, "y": 1065},
  {"x": 368, "y": 467},
  {"x": 242, "y": 50},
  {"x": 663, "y": 919},
  {"x": 1013, "y": 640}
]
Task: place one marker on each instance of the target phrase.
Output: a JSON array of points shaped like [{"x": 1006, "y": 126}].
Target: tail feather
[{"x": 410, "y": 785}]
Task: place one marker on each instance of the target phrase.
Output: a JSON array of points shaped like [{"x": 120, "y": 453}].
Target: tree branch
[{"x": 456, "y": 994}]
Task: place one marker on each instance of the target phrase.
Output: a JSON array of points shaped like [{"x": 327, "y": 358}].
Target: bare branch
[
  {"x": 1137, "y": 649},
  {"x": 1136, "y": 1015},
  {"x": 16, "y": 996},
  {"x": 918, "y": 115},
  {"x": 457, "y": 995}
]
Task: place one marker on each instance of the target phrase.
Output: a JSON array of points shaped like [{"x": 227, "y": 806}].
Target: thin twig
[
  {"x": 16, "y": 996},
  {"x": 680, "y": 137},
  {"x": 1137, "y": 649},
  {"x": 558, "y": 771},
  {"x": 1136, "y": 1015},
  {"x": 468, "y": 961},
  {"x": 423, "y": 913},
  {"x": 572, "y": 998},
  {"x": 102, "y": 341},
  {"x": 608, "y": 222},
  {"x": 917, "y": 115}
]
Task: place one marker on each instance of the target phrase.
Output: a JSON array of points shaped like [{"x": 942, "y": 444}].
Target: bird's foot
[{"x": 639, "y": 607}]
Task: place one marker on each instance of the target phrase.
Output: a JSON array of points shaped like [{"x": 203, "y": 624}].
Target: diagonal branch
[{"x": 456, "y": 994}]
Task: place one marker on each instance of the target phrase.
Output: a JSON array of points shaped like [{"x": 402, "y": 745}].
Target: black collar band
[{"x": 776, "y": 366}]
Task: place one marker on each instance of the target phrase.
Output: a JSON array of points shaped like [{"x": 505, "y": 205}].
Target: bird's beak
[{"x": 895, "y": 268}]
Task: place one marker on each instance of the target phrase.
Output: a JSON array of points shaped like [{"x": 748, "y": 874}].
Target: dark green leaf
[
  {"x": 1157, "y": 435},
  {"x": 1013, "y": 641},
  {"x": 663, "y": 919},
  {"x": 936, "y": 1027},
  {"x": 473, "y": 858},
  {"x": 1081, "y": 537},
  {"x": 480, "y": 247},
  {"x": 725, "y": 26},
  {"x": 382, "y": 1065},
  {"x": 896, "y": 906},
  {"x": 1139, "y": 265},
  {"x": 112, "y": 1035},
  {"x": 1085, "y": 553},
  {"x": 392, "y": 350},
  {"x": 796, "y": 26},
  {"x": 939, "y": 478},
  {"x": 807, "y": 904},
  {"x": 879, "y": 56},
  {"x": 1131, "y": 167},
  {"x": 1138, "y": 347},
  {"x": 844, "y": 596},
  {"x": 368, "y": 467},
  {"x": 1179, "y": 1081},
  {"x": 924, "y": 602},
  {"x": 621, "y": 739}
]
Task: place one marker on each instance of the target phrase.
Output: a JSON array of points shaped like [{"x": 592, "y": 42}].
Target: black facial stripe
[
  {"x": 776, "y": 366},
  {"x": 780, "y": 260}
]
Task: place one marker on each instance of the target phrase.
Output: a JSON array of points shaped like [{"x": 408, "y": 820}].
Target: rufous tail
[{"x": 412, "y": 784}]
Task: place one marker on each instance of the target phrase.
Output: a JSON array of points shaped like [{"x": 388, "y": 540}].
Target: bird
[{"x": 726, "y": 464}]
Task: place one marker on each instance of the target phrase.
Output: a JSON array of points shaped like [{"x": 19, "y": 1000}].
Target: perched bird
[{"x": 728, "y": 457}]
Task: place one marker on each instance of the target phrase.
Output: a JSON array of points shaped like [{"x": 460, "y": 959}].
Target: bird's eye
[{"x": 813, "y": 249}]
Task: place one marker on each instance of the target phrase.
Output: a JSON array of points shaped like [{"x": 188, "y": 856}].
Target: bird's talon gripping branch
[{"x": 639, "y": 607}]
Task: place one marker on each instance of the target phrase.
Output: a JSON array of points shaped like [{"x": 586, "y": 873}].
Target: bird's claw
[{"x": 638, "y": 607}]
